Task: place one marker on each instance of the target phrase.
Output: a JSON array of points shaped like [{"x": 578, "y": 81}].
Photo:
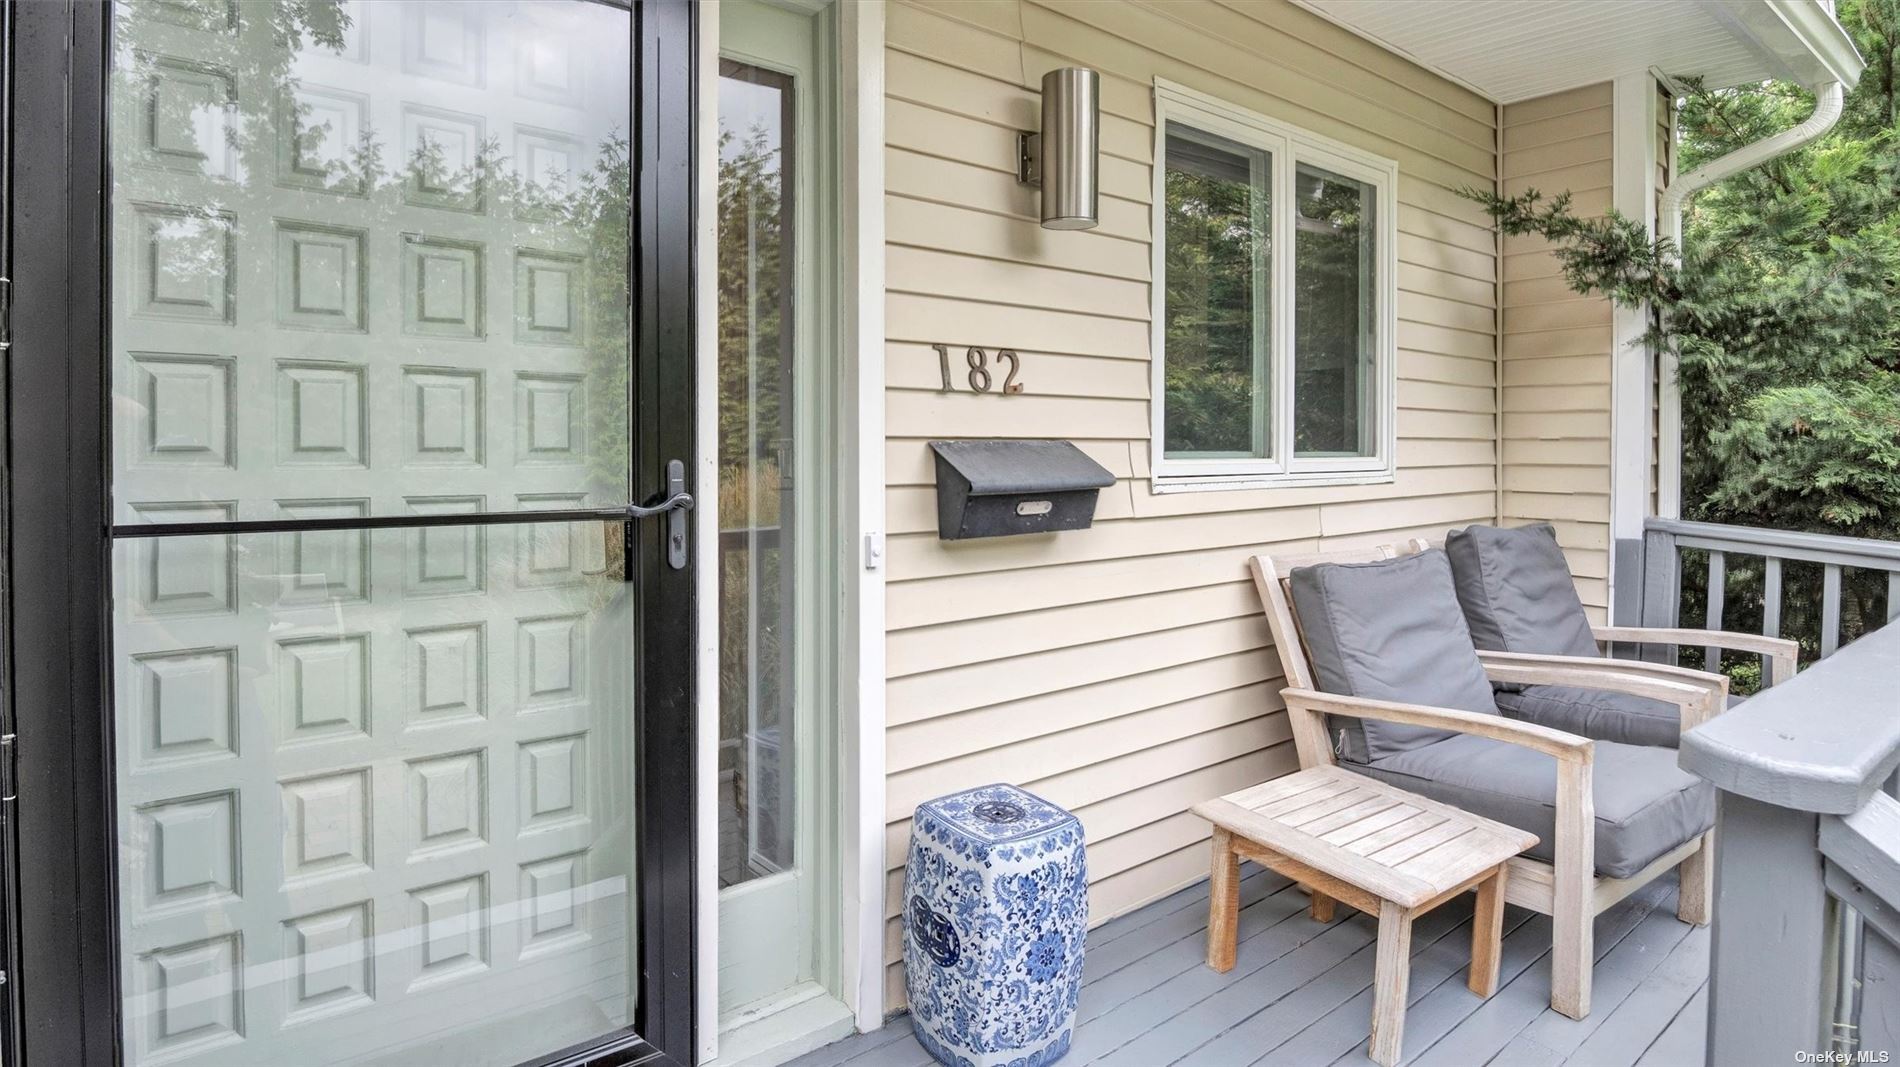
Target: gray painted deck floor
[{"x": 1301, "y": 993}]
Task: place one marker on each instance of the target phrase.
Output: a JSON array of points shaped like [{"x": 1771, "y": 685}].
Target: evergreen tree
[{"x": 1784, "y": 310}]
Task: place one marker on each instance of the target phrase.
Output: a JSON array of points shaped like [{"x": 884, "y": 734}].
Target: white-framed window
[{"x": 1274, "y": 302}]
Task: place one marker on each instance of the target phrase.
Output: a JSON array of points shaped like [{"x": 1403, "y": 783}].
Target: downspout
[
  {"x": 1497, "y": 323},
  {"x": 1828, "y": 98}
]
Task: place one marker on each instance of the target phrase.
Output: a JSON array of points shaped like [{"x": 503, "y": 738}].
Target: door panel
[
  {"x": 379, "y": 750},
  {"x": 369, "y": 259},
  {"x": 289, "y": 665},
  {"x": 364, "y": 820}
]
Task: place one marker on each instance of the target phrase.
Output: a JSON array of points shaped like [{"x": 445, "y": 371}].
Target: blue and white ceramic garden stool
[{"x": 996, "y": 913}]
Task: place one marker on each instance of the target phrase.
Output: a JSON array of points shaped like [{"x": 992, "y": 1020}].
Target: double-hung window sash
[{"x": 1274, "y": 292}]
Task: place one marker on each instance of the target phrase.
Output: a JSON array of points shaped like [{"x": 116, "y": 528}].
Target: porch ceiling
[{"x": 1511, "y": 50}]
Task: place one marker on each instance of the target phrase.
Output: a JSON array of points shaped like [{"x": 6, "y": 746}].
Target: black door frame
[{"x": 59, "y": 943}]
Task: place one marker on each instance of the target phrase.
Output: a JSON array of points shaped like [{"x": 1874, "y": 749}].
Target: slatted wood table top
[{"x": 1395, "y": 845}]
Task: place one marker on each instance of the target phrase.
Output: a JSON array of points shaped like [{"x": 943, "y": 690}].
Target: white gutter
[{"x": 1828, "y": 98}]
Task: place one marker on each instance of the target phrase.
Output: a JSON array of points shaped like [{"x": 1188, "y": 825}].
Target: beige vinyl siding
[
  {"x": 1125, "y": 671},
  {"x": 1555, "y": 423}
]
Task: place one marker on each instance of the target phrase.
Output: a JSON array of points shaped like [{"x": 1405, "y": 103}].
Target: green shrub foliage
[{"x": 1784, "y": 309}]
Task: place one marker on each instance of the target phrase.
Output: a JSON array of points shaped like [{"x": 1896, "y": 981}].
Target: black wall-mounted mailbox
[{"x": 999, "y": 488}]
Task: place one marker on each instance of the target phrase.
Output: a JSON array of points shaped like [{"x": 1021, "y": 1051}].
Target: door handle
[{"x": 677, "y": 503}]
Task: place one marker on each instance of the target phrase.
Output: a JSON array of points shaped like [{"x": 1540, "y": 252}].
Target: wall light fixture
[{"x": 1062, "y": 158}]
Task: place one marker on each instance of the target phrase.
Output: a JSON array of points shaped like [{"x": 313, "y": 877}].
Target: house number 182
[{"x": 978, "y": 363}]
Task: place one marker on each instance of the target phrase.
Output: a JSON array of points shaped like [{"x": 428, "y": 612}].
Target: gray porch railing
[
  {"x": 1667, "y": 539},
  {"x": 1807, "y": 882},
  {"x": 1806, "y": 947}
]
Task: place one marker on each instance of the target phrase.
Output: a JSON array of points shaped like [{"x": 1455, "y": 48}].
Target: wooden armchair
[
  {"x": 1778, "y": 652},
  {"x": 1569, "y": 887}
]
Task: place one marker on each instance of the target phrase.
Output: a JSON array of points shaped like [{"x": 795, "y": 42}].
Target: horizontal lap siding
[
  {"x": 1557, "y": 344},
  {"x": 1126, "y": 672}
]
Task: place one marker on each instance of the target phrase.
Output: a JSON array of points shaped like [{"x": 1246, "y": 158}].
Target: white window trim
[{"x": 1290, "y": 146}]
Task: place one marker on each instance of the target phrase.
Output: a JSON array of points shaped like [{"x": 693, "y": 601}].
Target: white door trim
[
  {"x": 861, "y": 833},
  {"x": 861, "y": 143},
  {"x": 1633, "y": 193}
]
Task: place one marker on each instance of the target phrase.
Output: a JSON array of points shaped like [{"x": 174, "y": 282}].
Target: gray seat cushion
[
  {"x": 1645, "y": 804},
  {"x": 1596, "y": 713},
  {"x": 1515, "y": 588},
  {"x": 1389, "y": 630}
]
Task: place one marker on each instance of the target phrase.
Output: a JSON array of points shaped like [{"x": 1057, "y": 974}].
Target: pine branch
[{"x": 1612, "y": 255}]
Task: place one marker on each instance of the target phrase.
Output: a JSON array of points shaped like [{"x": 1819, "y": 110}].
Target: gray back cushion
[
  {"x": 1516, "y": 591},
  {"x": 1389, "y": 630}
]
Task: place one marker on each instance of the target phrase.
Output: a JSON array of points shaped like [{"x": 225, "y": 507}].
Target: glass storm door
[{"x": 399, "y": 681}]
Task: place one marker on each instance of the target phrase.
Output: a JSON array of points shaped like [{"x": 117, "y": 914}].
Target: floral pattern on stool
[{"x": 995, "y": 917}]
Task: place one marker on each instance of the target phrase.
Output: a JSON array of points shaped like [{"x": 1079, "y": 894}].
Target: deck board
[
  {"x": 1340, "y": 1033},
  {"x": 1186, "y": 952},
  {"x": 1620, "y": 973},
  {"x": 1640, "y": 1020},
  {"x": 1300, "y": 992},
  {"x": 1524, "y": 1001},
  {"x": 1189, "y": 921},
  {"x": 1685, "y": 1038}
]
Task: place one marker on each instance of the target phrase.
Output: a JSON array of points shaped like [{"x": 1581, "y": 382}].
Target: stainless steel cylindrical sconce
[{"x": 1062, "y": 158}]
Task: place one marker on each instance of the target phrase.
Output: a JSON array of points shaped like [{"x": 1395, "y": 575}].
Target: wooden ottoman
[{"x": 1376, "y": 847}]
